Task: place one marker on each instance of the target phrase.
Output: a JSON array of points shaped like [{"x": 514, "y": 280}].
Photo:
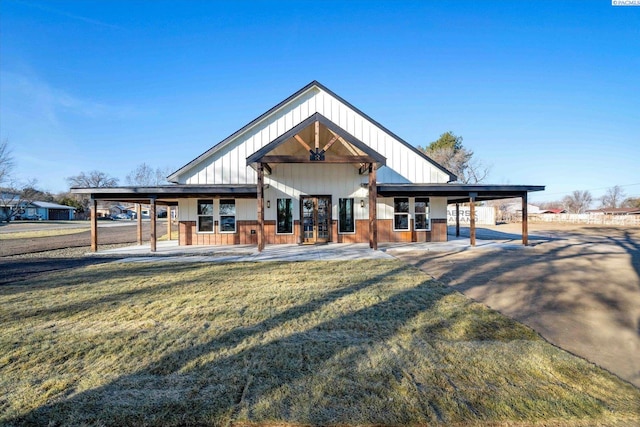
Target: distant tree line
[
  {"x": 579, "y": 201},
  {"x": 14, "y": 193}
]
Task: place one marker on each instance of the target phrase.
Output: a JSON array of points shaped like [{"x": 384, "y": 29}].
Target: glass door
[{"x": 316, "y": 219}]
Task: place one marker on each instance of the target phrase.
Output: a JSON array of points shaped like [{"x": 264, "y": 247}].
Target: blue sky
[{"x": 546, "y": 92}]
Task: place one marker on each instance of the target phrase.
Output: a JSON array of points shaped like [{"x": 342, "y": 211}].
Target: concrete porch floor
[{"x": 171, "y": 251}]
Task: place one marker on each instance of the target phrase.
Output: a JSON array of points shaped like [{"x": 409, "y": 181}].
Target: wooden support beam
[
  {"x": 525, "y": 220},
  {"x": 94, "y": 225},
  {"x": 373, "y": 197},
  {"x": 139, "y": 222},
  {"x": 317, "y": 135},
  {"x": 298, "y": 159},
  {"x": 457, "y": 219},
  {"x": 364, "y": 168},
  {"x": 330, "y": 143},
  {"x": 169, "y": 222},
  {"x": 267, "y": 168},
  {"x": 260, "y": 207},
  {"x": 472, "y": 219},
  {"x": 154, "y": 216},
  {"x": 301, "y": 141},
  {"x": 345, "y": 143}
]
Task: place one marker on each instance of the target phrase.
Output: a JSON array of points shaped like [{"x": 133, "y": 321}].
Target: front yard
[{"x": 312, "y": 343}]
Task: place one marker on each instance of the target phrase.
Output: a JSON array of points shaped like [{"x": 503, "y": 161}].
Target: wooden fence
[{"x": 587, "y": 219}]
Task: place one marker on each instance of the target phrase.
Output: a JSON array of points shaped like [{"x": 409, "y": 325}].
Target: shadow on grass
[
  {"x": 156, "y": 393},
  {"x": 564, "y": 279}
]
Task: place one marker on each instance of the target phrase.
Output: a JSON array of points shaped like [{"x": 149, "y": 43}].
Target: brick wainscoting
[{"x": 246, "y": 233}]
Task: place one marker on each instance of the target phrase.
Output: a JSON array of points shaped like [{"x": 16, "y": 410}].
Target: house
[
  {"x": 312, "y": 169},
  {"x": 614, "y": 211},
  {"x": 35, "y": 210},
  {"x": 553, "y": 211}
]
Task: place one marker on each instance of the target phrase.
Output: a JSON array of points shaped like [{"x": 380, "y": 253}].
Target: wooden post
[
  {"x": 260, "y": 207},
  {"x": 169, "y": 222},
  {"x": 525, "y": 220},
  {"x": 139, "y": 221},
  {"x": 457, "y": 219},
  {"x": 373, "y": 197},
  {"x": 152, "y": 214},
  {"x": 472, "y": 219},
  {"x": 94, "y": 225}
]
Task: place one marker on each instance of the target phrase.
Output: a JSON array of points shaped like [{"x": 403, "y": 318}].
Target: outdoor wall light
[
  {"x": 362, "y": 203},
  {"x": 268, "y": 204}
]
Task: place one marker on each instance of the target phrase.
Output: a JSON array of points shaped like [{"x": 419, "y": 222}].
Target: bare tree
[
  {"x": 145, "y": 176},
  {"x": 6, "y": 162},
  {"x": 578, "y": 201},
  {"x": 92, "y": 179},
  {"x": 16, "y": 198},
  {"x": 632, "y": 202},
  {"x": 613, "y": 198}
]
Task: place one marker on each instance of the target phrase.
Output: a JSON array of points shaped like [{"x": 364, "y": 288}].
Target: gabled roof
[
  {"x": 49, "y": 205},
  {"x": 616, "y": 211},
  {"x": 316, "y": 117},
  {"x": 174, "y": 176}
]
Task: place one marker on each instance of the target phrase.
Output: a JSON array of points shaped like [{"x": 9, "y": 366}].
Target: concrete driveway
[{"x": 579, "y": 287}]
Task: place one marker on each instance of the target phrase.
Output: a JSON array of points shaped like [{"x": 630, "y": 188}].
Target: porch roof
[
  {"x": 169, "y": 194},
  {"x": 457, "y": 193}
]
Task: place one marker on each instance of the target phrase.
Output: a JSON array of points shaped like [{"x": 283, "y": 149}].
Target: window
[
  {"x": 205, "y": 216},
  {"x": 227, "y": 216},
  {"x": 401, "y": 213},
  {"x": 285, "y": 217},
  {"x": 346, "y": 223},
  {"x": 421, "y": 214}
]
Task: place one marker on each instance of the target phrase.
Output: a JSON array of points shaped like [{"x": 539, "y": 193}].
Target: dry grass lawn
[
  {"x": 41, "y": 233},
  {"x": 311, "y": 343}
]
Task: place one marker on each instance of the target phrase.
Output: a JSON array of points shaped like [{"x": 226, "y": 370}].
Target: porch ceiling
[
  {"x": 457, "y": 193},
  {"x": 316, "y": 140},
  {"x": 168, "y": 194}
]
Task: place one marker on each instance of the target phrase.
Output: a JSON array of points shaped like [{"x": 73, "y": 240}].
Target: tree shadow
[
  {"x": 282, "y": 361},
  {"x": 576, "y": 290},
  {"x": 492, "y": 234}
]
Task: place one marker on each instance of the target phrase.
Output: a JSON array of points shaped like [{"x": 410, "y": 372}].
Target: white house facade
[{"x": 313, "y": 169}]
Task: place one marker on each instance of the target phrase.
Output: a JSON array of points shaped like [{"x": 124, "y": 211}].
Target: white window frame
[
  {"x": 427, "y": 213},
  {"x": 220, "y": 216},
  {"x": 353, "y": 214},
  {"x": 213, "y": 222},
  {"x": 407, "y": 214},
  {"x": 293, "y": 227}
]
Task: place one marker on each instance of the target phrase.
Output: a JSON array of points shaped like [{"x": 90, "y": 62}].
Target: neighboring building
[
  {"x": 36, "y": 210},
  {"x": 614, "y": 211},
  {"x": 554, "y": 211},
  {"x": 312, "y": 169}
]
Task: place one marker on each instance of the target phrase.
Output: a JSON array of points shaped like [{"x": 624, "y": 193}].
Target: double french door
[{"x": 316, "y": 219}]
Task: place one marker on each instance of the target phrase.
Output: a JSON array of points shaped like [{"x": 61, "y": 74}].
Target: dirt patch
[{"x": 580, "y": 290}]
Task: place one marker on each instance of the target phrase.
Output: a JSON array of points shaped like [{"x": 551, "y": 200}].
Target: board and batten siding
[
  {"x": 227, "y": 164},
  {"x": 335, "y": 180}
]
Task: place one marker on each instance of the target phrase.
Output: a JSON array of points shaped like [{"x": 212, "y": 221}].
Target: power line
[{"x": 592, "y": 189}]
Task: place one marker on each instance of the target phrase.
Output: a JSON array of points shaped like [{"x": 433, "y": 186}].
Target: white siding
[
  {"x": 438, "y": 207},
  {"x": 187, "y": 209},
  {"x": 296, "y": 180},
  {"x": 227, "y": 165}
]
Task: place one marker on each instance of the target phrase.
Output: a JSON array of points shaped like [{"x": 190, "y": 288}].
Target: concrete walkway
[{"x": 172, "y": 252}]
